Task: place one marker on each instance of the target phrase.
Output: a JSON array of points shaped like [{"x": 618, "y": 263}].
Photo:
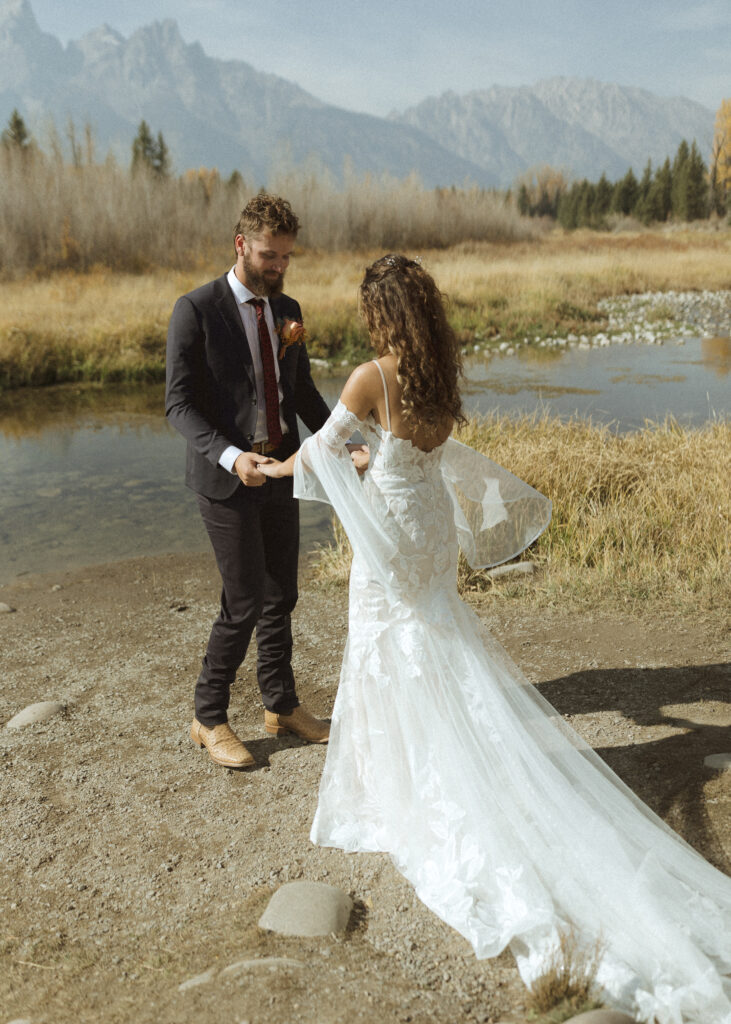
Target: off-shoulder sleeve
[
  {"x": 311, "y": 466},
  {"x": 496, "y": 514},
  {"x": 324, "y": 471}
]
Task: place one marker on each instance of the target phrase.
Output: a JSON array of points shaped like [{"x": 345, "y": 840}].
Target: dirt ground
[{"x": 130, "y": 863}]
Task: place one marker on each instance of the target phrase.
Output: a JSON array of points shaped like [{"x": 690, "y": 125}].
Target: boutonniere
[{"x": 290, "y": 332}]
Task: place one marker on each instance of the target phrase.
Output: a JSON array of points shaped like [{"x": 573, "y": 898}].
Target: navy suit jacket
[{"x": 210, "y": 392}]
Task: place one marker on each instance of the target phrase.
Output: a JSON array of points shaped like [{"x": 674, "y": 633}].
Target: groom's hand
[
  {"x": 360, "y": 455},
  {"x": 247, "y": 470}
]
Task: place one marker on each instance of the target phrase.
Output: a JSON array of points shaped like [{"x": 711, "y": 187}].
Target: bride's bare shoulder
[
  {"x": 364, "y": 373},
  {"x": 362, "y": 389}
]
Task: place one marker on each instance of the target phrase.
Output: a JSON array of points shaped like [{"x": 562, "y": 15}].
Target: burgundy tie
[{"x": 271, "y": 388}]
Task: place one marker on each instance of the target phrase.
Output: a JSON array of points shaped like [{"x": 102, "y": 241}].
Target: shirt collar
[{"x": 241, "y": 293}]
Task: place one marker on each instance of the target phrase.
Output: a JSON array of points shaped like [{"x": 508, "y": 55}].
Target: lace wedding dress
[{"x": 441, "y": 754}]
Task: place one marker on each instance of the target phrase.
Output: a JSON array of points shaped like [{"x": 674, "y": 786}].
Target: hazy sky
[{"x": 381, "y": 55}]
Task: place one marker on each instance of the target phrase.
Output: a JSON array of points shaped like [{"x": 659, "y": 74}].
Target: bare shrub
[{"x": 56, "y": 215}]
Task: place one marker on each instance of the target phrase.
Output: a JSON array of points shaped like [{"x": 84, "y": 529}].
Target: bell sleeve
[
  {"x": 496, "y": 514},
  {"x": 324, "y": 471}
]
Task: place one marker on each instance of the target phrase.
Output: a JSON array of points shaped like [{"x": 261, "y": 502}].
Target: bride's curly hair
[{"x": 404, "y": 312}]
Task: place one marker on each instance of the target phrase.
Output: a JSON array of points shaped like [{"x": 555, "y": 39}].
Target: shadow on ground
[{"x": 687, "y": 709}]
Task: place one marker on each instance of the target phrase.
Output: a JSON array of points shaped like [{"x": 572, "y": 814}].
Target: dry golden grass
[
  {"x": 104, "y": 325},
  {"x": 568, "y": 986},
  {"x": 555, "y": 281},
  {"x": 92, "y": 326},
  {"x": 637, "y": 518}
]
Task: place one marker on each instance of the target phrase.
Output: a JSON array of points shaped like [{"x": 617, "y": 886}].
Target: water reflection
[
  {"x": 28, "y": 412},
  {"x": 716, "y": 355},
  {"x": 92, "y": 474}
]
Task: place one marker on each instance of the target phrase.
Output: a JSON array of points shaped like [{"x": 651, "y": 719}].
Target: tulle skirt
[{"x": 506, "y": 823}]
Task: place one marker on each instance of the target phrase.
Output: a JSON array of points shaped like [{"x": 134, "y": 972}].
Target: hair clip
[{"x": 402, "y": 261}]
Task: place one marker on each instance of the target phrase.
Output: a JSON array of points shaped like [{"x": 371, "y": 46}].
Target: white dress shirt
[{"x": 248, "y": 320}]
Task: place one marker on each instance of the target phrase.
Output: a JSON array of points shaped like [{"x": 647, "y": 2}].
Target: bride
[{"x": 441, "y": 753}]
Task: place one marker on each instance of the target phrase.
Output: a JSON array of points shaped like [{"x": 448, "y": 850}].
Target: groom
[{"x": 234, "y": 393}]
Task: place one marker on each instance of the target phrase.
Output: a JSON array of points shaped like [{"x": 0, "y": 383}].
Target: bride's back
[{"x": 421, "y": 435}]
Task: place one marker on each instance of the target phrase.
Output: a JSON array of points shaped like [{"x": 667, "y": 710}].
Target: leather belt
[{"x": 263, "y": 447}]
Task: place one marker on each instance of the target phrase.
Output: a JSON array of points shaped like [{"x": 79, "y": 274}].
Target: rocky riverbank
[
  {"x": 132, "y": 865},
  {"x": 647, "y": 318}
]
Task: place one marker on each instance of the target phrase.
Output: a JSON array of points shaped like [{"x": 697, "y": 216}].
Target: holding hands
[
  {"x": 247, "y": 468},
  {"x": 360, "y": 455},
  {"x": 274, "y": 469}
]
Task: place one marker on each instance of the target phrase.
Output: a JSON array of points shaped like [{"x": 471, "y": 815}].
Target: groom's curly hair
[
  {"x": 265, "y": 212},
  {"x": 405, "y": 314}
]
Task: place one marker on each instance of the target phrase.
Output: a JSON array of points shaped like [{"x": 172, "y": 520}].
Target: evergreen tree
[
  {"x": 641, "y": 209},
  {"x": 161, "y": 157},
  {"x": 680, "y": 182},
  {"x": 567, "y": 208},
  {"x": 625, "y": 194},
  {"x": 544, "y": 207},
  {"x": 585, "y": 205},
  {"x": 660, "y": 198},
  {"x": 142, "y": 147},
  {"x": 150, "y": 154},
  {"x": 602, "y": 200},
  {"x": 696, "y": 199},
  {"x": 523, "y": 200},
  {"x": 16, "y": 134},
  {"x": 690, "y": 184},
  {"x": 235, "y": 181}
]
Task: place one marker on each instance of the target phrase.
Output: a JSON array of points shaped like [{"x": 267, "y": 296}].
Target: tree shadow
[{"x": 668, "y": 773}]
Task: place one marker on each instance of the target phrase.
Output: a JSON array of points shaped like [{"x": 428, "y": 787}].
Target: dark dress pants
[{"x": 255, "y": 537}]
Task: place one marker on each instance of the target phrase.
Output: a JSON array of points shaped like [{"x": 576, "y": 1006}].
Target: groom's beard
[{"x": 266, "y": 283}]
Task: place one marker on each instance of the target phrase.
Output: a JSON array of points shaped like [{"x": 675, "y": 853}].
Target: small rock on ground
[
  {"x": 39, "y": 712},
  {"x": 306, "y": 909},
  {"x": 717, "y": 761},
  {"x": 518, "y": 569},
  {"x": 5, "y": 609}
]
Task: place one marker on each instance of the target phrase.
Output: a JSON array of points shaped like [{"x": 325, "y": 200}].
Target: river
[{"x": 92, "y": 474}]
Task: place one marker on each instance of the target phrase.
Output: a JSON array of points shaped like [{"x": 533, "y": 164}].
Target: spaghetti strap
[{"x": 385, "y": 395}]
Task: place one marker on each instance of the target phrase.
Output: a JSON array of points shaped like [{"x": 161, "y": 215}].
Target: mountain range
[{"x": 227, "y": 114}]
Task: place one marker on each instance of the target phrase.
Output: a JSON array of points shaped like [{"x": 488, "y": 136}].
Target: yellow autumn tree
[
  {"x": 539, "y": 190},
  {"x": 207, "y": 178},
  {"x": 721, "y": 159}
]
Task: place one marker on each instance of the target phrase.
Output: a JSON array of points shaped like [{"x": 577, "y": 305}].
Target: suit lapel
[{"x": 229, "y": 312}]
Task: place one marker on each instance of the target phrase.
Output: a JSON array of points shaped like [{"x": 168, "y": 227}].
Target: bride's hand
[{"x": 271, "y": 468}]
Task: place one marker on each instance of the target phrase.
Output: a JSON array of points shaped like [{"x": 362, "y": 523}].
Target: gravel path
[{"x": 132, "y": 865}]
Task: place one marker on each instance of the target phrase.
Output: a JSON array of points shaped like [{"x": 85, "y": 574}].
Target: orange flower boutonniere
[{"x": 291, "y": 332}]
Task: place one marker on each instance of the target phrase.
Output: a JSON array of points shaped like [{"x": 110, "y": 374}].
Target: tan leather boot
[
  {"x": 300, "y": 722},
  {"x": 223, "y": 745}
]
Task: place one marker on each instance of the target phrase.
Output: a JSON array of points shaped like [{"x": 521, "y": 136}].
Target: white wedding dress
[{"x": 442, "y": 754}]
